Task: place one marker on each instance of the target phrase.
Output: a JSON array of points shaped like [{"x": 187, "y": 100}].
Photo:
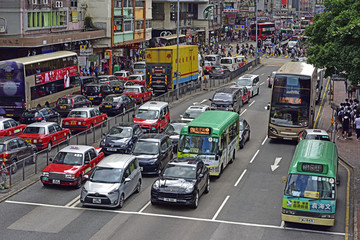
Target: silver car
[{"x": 113, "y": 180}]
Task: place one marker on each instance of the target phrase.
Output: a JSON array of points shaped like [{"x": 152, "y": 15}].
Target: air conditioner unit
[{"x": 59, "y": 4}]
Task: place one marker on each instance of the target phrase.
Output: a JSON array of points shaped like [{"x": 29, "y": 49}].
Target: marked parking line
[
  {"x": 252, "y": 102},
  {"x": 175, "y": 217},
  {"x": 221, "y": 207},
  {"x": 143, "y": 208},
  {"x": 76, "y": 203},
  {"x": 264, "y": 140},
  {"x": 254, "y": 156},
  {"x": 72, "y": 201},
  {"x": 262, "y": 83},
  {"x": 241, "y": 176},
  {"x": 243, "y": 112}
]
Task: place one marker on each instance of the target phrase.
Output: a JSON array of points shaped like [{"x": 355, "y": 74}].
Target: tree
[{"x": 334, "y": 39}]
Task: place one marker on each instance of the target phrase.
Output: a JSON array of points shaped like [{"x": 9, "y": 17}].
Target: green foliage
[
  {"x": 334, "y": 39},
  {"x": 88, "y": 23}
]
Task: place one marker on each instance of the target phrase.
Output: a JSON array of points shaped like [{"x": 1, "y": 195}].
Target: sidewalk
[{"x": 348, "y": 149}]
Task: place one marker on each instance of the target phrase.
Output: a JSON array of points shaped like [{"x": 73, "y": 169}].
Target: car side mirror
[
  {"x": 283, "y": 179},
  {"x": 104, "y": 134},
  {"x": 127, "y": 180},
  {"x": 86, "y": 177}
]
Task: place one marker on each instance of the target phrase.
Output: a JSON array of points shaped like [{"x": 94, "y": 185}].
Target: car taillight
[
  {"x": 100, "y": 105},
  {"x": 221, "y": 70},
  {"x": 5, "y": 156},
  {"x": 72, "y": 102},
  {"x": 118, "y": 105},
  {"x": 100, "y": 94},
  {"x": 38, "y": 119},
  {"x": 21, "y": 118}
]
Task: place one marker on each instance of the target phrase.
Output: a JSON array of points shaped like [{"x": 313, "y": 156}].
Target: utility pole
[{"x": 177, "y": 50}]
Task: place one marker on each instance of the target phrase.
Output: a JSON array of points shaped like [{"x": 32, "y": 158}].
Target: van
[
  {"x": 112, "y": 181},
  {"x": 251, "y": 81},
  {"x": 212, "y": 60},
  {"x": 153, "y": 116},
  {"x": 228, "y": 99},
  {"x": 230, "y": 63}
]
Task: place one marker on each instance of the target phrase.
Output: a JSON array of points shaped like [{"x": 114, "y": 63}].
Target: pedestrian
[
  {"x": 96, "y": 70},
  {"x": 91, "y": 70},
  {"x": 346, "y": 124},
  {"x": 349, "y": 91},
  {"x": 357, "y": 126}
]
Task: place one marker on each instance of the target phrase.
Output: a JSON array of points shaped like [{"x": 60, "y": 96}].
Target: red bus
[{"x": 264, "y": 30}]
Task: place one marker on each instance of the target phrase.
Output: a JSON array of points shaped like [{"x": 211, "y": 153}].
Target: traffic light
[{"x": 259, "y": 43}]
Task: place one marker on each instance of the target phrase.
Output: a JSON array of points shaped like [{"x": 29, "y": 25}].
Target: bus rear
[
  {"x": 12, "y": 89},
  {"x": 264, "y": 30},
  {"x": 310, "y": 190}
]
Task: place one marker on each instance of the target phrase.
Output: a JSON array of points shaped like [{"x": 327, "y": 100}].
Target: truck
[{"x": 160, "y": 64}]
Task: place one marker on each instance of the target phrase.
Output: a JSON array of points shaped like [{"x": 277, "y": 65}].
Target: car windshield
[
  {"x": 226, "y": 61},
  {"x": 120, "y": 132},
  {"x": 106, "y": 175},
  {"x": 318, "y": 137},
  {"x": 111, "y": 99},
  {"x": 34, "y": 130},
  {"x": 139, "y": 66},
  {"x": 63, "y": 101},
  {"x": 289, "y": 116},
  {"x": 31, "y": 114},
  {"x": 145, "y": 147},
  {"x": 79, "y": 114},
  {"x": 92, "y": 89},
  {"x": 147, "y": 114},
  {"x": 222, "y": 97},
  {"x": 68, "y": 158},
  {"x": 198, "y": 144},
  {"x": 2, "y": 148},
  {"x": 192, "y": 113},
  {"x": 132, "y": 90},
  {"x": 174, "y": 128},
  {"x": 104, "y": 80},
  {"x": 176, "y": 171},
  {"x": 244, "y": 82},
  {"x": 307, "y": 186},
  {"x": 210, "y": 59},
  {"x": 119, "y": 74}
]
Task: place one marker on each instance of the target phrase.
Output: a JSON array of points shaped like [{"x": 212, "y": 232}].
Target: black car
[
  {"x": 15, "y": 149},
  {"x": 121, "y": 138},
  {"x": 227, "y": 99},
  {"x": 173, "y": 130},
  {"x": 85, "y": 80},
  {"x": 69, "y": 102},
  {"x": 114, "y": 104},
  {"x": 182, "y": 181},
  {"x": 116, "y": 84},
  {"x": 96, "y": 92},
  {"x": 153, "y": 151},
  {"x": 38, "y": 115},
  {"x": 244, "y": 132},
  {"x": 219, "y": 71}
]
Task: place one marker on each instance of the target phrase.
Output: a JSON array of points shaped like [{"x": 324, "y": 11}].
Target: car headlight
[
  {"x": 35, "y": 141},
  {"x": 71, "y": 176},
  {"x": 114, "y": 191},
  {"x": 189, "y": 188},
  {"x": 45, "y": 174},
  {"x": 156, "y": 185}
]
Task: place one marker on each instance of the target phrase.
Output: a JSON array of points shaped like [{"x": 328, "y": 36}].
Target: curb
[{"x": 33, "y": 179}]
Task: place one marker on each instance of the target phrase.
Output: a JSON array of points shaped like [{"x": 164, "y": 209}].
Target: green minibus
[{"x": 310, "y": 190}]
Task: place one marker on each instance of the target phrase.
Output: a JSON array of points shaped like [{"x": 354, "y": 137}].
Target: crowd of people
[{"x": 348, "y": 119}]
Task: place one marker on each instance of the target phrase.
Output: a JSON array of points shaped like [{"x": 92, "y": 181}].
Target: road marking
[
  {"x": 276, "y": 163},
  {"x": 243, "y": 112},
  {"x": 266, "y": 137},
  {"x": 76, "y": 203},
  {"x": 176, "y": 217},
  {"x": 241, "y": 176},
  {"x": 262, "y": 83},
  {"x": 251, "y": 103},
  {"x": 222, "y": 205},
  {"x": 347, "y": 217},
  {"x": 204, "y": 101},
  {"x": 146, "y": 205},
  {"x": 282, "y": 225},
  {"x": 262, "y": 74},
  {"x": 322, "y": 103},
  {"x": 254, "y": 156},
  {"x": 72, "y": 201}
]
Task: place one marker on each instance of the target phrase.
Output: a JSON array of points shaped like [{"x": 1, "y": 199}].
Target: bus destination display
[{"x": 200, "y": 130}]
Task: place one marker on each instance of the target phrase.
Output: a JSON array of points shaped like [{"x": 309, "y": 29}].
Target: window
[
  {"x": 148, "y": 24},
  {"x": 139, "y": 3},
  {"x": 139, "y": 24},
  {"x": 128, "y": 3},
  {"x": 87, "y": 157},
  {"x": 46, "y": 19},
  {"x": 126, "y": 174},
  {"x": 223, "y": 141},
  {"x": 73, "y": 3},
  {"x": 128, "y": 26},
  {"x": 163, "y": 146},
  {"x": 21, "y": 142},
  {"x": 13, "y": 123},
  {"x": 52, "y": 129},
  {"x": 7, "y": 125},
  {"x": 13, "y": 145},
  {"x": 132, "y": 166},
  {"x": 92, "y": 113},
  {"x": 92, "y": 154},
  {"x": 57, "y": 127},
  {"x": 117, "y": 3}
]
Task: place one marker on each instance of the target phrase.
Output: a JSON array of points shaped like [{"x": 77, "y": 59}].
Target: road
[{"x": 244, "y": 203}]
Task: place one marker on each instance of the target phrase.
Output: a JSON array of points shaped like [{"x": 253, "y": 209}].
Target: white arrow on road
[{"x": 276, "y": 163}]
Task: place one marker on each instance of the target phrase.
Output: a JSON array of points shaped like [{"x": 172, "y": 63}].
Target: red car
[
  {"x": 245, "y": 95},
  {"x": 137, "y": 79},
  {"x": 207, "y": 69},
  {"x": 45, "y": 134},
  {"x": 80, "y": 119},
  {"x": 9, "y": 127},
  {"x": 70, "y": 165},
  {"x": 138, "y": 92}
]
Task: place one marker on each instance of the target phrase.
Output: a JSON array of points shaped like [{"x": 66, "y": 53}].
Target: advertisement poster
[{"x": 57, "y": 75}]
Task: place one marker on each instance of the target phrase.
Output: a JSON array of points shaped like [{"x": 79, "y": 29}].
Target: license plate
[
  {"x": 96, "y": 200},
  {"x": 286, "y": 138},
  {"x": 112, "y": 149},
  {"x": 56, "y": 181},
  {"x": 169, "y": 199},
  {"x": 45, "y": 178},
  {"x": 91, "y": 98},
  {"x": 28, "y": 140},
  {"x": 73, "y": 123},
  {"x": 216, "y": 71},
  {"x": 108, "y": 106},
  {"x": 63, "y": 107},
  {"x": 117, "y": 89},
  {"x": 307, "y": 220},
  {"x": 10, "y": 115}
]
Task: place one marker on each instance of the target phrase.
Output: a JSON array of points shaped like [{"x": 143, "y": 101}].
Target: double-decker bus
[
  {"x": 35, "y": 80},
  {"x": 264, "y": 30},
  {"x": 310, "y": 190},
  {"x": 214, "y": 137},
  {"x": 292, "y": 101}
]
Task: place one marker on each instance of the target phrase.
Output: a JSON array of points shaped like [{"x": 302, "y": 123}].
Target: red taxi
[
  {"x": 9, "y": 127},
  {"x": 122, "y": 75},
  {"x": 138, "y": 92},
  {"x": 45, "y": 134},
  {"x": 207, "y": 68},
  {"x": 153, "y": 116},
  {"x": 70, "y": 165},
  {"x": 245, "y": 95},
  {"x": 241, "y": 60},
  {"x": 80, "y": 119},
  {"x": 137, "y": 79}
]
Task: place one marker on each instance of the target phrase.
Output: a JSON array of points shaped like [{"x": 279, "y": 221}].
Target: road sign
[{"x": 3, "y": 168}]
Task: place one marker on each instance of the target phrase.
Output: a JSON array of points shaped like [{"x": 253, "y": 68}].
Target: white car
[
  {"x": 317, "y": 134},
  {"x": 251, "y": 82},
  {"x": 194, "y": 111}
]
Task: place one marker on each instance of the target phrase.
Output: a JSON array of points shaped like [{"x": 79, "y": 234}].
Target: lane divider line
[
  {"x": 264, "y": 140},
  {"x": 243, "y": 112},
  {"x": 221, "y": 207},
  {"x": 252, "y": 103},
  {"x": 143, "y": 208},
  {"x": 239, "y": 179},
  {"x": 254, "y": 156}
]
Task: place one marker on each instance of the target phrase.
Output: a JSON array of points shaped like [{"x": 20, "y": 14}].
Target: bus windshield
[
  {"x": 307, "y": 186},
  {"x": 198, "y": 144}
]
